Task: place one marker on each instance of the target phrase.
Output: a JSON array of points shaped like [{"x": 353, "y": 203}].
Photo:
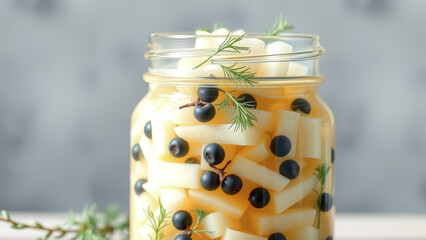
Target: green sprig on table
[{"x": 94, "y": 224}]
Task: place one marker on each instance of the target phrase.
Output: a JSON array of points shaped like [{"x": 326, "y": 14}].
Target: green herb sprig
[
  {"x": 157, "y": 223},
  {"x": 239, "y": 75},
  {"x": 321, "y": 171},
  {"x": 242, "y": 117},
  {"x": 93, "y": 225},
  {"x": 201, "y": 214},
  {"x": 281, "y": 24}
]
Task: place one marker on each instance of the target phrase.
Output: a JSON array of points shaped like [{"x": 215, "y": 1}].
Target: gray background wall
[{"x": 70, "y": 74}]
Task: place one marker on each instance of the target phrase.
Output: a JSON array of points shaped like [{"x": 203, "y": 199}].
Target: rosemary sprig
[
  {"x": 201, "y": 214},
  {"x": 242, "y": 117},
  {"x": 93, "y": 225},
  {"x": 281, "y": 24},
  {"x": 216, "y": 26},
  {"x": 157, "y": 223},
  {"x": 227, "y": 44},
  {"x": 239, "y": 74},
  {"x": 321, "y": 171}
]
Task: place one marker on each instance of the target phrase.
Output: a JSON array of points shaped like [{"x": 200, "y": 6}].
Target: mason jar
[{"x": 234, "y": 144}]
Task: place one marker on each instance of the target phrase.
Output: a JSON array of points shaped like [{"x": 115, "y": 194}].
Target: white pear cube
[
  {"x": 303, "y": 233},
  {"x": 257, "y": 153},
  {"x": 174, "y": 199},
  {"x": 141, "y": 203},
  {"x": 162, "y": 131},
  {"x": 236, "y": 235},
  {"x": 229, "y": 155},
  {"x": 297, "y": 69},
  {"x": 239, "y": 32},
  {"x": 274, "y": 69},
  {"x": 265, "y": 224},
  {"x": 219, "y": 201},
  {"x": 205, "y": 42},
  {"x": 217, "y": 223},
  {"x": 152, "y": 189},
  {"x": 265, "y": 120},
  {"x": 175, "y": 175},
  {"x": 288, "y": 123},
  {"x": 221, "y": 133},
  {"x": 141, "y": 170},
  {"x": 309, "y": 138},
  {"x": 283, "y": 200},
  {"x": 256, "y": 47},
  {"x": 147, "y": 150},
  {"x": 259, "y": 174}
]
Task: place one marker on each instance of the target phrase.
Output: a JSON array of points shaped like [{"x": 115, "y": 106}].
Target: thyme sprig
[
  {"x": 227, "y": 44},
  {"x": 201, "y": 214},
  {"x": 321, "y": 171},
  {"x": 157, "y": 223},
  {"x": 93, "y": 225},
  {"x": 281, "y": 24},
  {"x": 216, "y": 26},
  {"x": 238, "y": 74},
  {"x": 242, "y": 118}
]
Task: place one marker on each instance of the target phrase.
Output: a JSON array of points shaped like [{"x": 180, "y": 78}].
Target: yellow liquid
[{"x": 241, "y": 216}]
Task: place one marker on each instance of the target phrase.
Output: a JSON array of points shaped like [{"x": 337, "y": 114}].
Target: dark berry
[
  {"x": 208, "y": 94},
  {"x": 178, "y": 147},
  {"x": 136, "y": 152},
  {"x": 232, "y": 184},
  {"x": 326, "y": 202},
  {"x": 192, "y": 160},
  {"x": 138, "y": 186},
  {"x": 210, "y": 180},
  {"x": 148, "y": 130},
  {"x": 289, "y": 169},
  {"x": 204, "y": 112},
  {"x": 214, "y": 154},
  {"x": 183, "y": 236},
  {"x": 248, "y": 99},
  {"x": 332, "y": 155},
  {"x": 280, "y": 146},
  {"x": 259, "y": 197},
  {"x": 329, "y": 238},
  {"x": 301, "y": 104},
  {"x": 182, "y": 219},
  {"x": 277, "y": 236}
]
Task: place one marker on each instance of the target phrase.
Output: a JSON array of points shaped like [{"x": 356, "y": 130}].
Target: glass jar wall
[{"x": 194, "y": 152}]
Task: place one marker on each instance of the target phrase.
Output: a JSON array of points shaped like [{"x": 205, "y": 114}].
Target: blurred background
[{"x": 70, "y": 75}]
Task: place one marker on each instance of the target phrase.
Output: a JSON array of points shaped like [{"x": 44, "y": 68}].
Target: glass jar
[{"x": 189, "y": 155}]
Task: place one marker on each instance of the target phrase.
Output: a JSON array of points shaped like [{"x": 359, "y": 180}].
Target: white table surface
[{"x": 348, "y": 226}]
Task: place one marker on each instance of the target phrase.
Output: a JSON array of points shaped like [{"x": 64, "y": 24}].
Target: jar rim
[{"x": 246, "y": 35}]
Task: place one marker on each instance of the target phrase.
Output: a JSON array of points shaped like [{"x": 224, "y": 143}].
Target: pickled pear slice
[
  {"x": 174, "y": 199},
  {"x": 259, "y": 174},
  {"x": 221, "y": 133},
  {"x": 309, "y": 138},
  {"x": 288, "y": 124},
  {"x": 141, "y": 202},
  {"x": 257, "y": 153},
  {"x": 217, "y": 223},
  {"x": 175, "y": 175},
  {"x": 297, "y": 69},
  {"x": 162, "y": 131},
  {"x": 234, "y": 235},
  {"x": 152, "y": 189},
  {"x": 283, "y": 200},
  {"x": 303, "y": 233},
  {"x": 218, "y": 201},
  {"x": 265, "y": 224},
  {"x": 147, "y": 150},
  {"x": 274, "y": 69}
]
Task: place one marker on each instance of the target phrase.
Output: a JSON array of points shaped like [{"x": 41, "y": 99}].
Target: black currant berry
[
  {"x": 136, "y": 152},
  {"x": 214, "y": 154},
  {"x": 182, "y": 219},
  {"x": 248, "y": 99},
  {"x": 289, "y": 169},
  {"x": 277, "y": 236},
  {"x": 148, "y": 130},
  {"x": 192, "y": 160},
  {"x": 208, "y": 94},
  {"x": 138, "y": 186},
  {"x": 259, "y": 197},
  {"x": 329, "y": 238},
  {"x": 301, "y": 104},
  {"x": 183, "y": 236},
  {"x": 210, "y": 180},
  {"x": 326, "y": 202},
  {"x": 204, "y": 112},
  {"x": 280, "y": 146},
  {"x": 178, "y": 147},
  {"x": 232, "y": 184}
]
